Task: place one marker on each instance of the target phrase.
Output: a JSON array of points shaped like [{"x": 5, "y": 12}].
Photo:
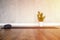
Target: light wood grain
[{"x": 30, "y": 34}]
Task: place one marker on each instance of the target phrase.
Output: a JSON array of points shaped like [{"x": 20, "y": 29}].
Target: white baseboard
[{"x": 31, "y": 24}]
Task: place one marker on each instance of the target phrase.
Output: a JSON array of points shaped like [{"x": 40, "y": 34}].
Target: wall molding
[{"x": 31, "y": 24}]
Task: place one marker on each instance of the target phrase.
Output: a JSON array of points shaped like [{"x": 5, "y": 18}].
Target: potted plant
[{"x": 40, "y": 18}]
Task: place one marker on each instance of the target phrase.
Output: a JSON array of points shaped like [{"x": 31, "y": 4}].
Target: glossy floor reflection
[{"x": 30, "y": 34}]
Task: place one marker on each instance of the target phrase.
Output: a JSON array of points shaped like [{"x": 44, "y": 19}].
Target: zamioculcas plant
[{"x": 40, "y": 17}]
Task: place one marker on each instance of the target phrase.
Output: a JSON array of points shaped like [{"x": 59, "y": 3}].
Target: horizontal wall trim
[{"x": 31, "y": 24}]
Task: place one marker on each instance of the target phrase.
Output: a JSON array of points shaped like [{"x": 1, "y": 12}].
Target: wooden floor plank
[{"x": 39, "y": 33}]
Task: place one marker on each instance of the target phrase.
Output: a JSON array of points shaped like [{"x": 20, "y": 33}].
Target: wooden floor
[{"x": 30, "y": 34}]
